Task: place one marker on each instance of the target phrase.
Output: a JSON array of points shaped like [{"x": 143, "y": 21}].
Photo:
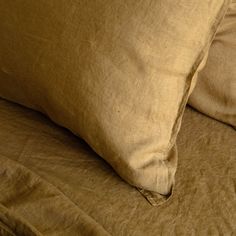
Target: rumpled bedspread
[{"x": 52, "y": 183}]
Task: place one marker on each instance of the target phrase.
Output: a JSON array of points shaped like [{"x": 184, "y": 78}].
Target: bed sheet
[{"x": 52, "y": 183}]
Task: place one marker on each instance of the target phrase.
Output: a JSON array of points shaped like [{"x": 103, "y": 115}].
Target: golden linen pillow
[
  {"x": 117, "y": 73},
  {"x": 215, "y": 92}
]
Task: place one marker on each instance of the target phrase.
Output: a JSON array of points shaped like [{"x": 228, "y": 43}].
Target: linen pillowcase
[
  {"x": 117, "y": 73},
  {"x": 215, "y": 92}
]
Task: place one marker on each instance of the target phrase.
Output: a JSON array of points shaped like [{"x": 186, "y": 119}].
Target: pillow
[
  {"x": 215, "y": 92},
  {"x": 117, "y": 73}
]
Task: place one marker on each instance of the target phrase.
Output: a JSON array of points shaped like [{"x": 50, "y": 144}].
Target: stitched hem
[{"x": 156, "y": 199}]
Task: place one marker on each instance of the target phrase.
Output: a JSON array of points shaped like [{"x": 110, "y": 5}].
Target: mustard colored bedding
[
  {"x": 53, "y": 184},
  {"x": 215, "y": 92},
  {"x": 116, "y": 73}
]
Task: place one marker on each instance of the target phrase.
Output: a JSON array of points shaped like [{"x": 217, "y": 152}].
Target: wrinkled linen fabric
[
  {"x": 52, "y": 183},
  {"x": 215, "y": 92},
  {"x": 117, "y": 73}
]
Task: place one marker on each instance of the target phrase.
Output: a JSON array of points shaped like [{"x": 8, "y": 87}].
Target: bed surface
[{"x": 52, "y": 183}]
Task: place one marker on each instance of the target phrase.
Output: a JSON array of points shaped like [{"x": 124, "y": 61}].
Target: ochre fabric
[
  {"x": 117, "y": 73},
  {"x": 215, "y": 92},
  {"x": 53, "y": 184}
]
